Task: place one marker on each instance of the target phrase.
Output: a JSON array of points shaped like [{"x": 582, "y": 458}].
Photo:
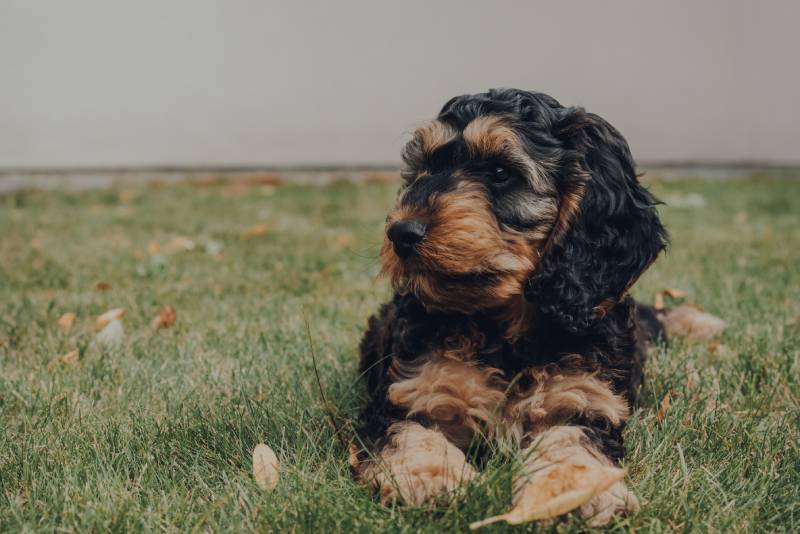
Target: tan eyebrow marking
[
  {"x": 490, "y": 136},
  {"x": 434, "y": 134},
  {"x": 427, "y": 138}
]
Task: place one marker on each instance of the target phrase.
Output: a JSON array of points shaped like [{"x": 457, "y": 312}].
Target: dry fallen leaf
[
  {"x": 674, "y": 293},
  {"x": 69, "y": 358},
  {"x": 535, "y": 503},
  {"x": 111, "y": 335},
  {"x": 658, "y": 301},
  {"x": 107, "y": 317},
  {"x": 180, "y": 243},
  {"x": 664, "y": 407},
  {"x": 255, "y": 230},
  {"x": 265, "y": 467},
  {"x": 344, "y": 241},
  {"x": 102, "y": 286},
  {"x": 66, "y": 321},
  {"x": 165, "y": 318},
  {"x": 693, "y": 324},
  {"x": 671, "y": 292},
  {"x": 153, "y": 248}
]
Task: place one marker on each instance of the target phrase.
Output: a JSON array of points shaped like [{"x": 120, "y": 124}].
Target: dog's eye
[{"x": 499, "y": 175}]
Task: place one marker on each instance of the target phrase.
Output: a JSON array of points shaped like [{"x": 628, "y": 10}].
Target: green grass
[{"x": 157, "y": 434}]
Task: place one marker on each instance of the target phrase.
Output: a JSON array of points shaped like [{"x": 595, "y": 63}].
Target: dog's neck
[{"x": 517, "y": 316}]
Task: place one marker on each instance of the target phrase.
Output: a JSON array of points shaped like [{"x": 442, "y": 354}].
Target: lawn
[{"x": 157, "y": 433}]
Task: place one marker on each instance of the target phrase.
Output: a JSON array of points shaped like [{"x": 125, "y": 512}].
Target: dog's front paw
[
  {"x": 418, "y": 465},
  {"x": 423, "y": 482}
]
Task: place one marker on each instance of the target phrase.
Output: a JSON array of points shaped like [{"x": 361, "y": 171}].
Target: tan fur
[
  {"x": 458, "y": 397},
  {"x": 418, "y": 465},
  {"x": 556, "y": 462},
  {"x": 461, "y": 398},
  {"x": 517, "y": 316},
  {"x": 488, "y": 136},
  {"x": 426, "y": 139},
  {"x": 463, "y": 238},
  {"x": 433, "y": 135},
  {"x": 567, "y": 213}
]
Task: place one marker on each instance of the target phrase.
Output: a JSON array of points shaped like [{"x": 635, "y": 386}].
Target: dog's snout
[{"x": 405, "y": 235}]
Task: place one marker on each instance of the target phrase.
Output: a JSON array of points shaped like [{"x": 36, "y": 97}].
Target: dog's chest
[
  {"x": 451, "y": 382},
  {"x": 470, "y": 381}
]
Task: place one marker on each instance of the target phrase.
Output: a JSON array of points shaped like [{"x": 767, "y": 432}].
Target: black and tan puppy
[{"x": 519, "y": 229}]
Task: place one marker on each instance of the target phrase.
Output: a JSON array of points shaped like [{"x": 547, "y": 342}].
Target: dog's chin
[{"x": 464, "y": 293}]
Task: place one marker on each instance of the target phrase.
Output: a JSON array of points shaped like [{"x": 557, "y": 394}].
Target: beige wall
[{"x": 194, "y": 82}]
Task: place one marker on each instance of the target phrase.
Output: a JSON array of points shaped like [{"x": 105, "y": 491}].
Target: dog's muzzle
[{"x": 405, "y": 236}]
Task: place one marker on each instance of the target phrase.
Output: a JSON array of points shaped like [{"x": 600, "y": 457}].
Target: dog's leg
[
  {"x": 416, "y": 465},
  {"x": 562, "y": 459}
]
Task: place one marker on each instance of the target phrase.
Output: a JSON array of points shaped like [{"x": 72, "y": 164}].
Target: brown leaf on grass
[
  {"x": 153, "y": 248},
  {"x": 68, "y": 359},
  {"x": 265, "y": 467},
  {"x": 165, "y": 318},
  {"x": 693, "y": 324},
  {"x": 102, "y": 286},
  {"x": 536, "y": 503},
  {"x": 179, "y": 244},
  {"x": 674, "y": 293},
  {"x": 344, "y": 241},
  {"x": 111, "y": 315},
  {"x": 671, "y": 292},
  {"x": 66, "y": 321},
  {"x": 255, "y": 231},
  {"x": 664, "y": 407}
]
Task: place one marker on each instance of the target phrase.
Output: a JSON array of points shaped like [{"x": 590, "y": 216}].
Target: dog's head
[{"x": 509, "y": 193}]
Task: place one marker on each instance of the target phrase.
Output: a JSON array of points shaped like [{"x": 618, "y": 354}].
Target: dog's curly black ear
[{"x": 607, "y": 233}]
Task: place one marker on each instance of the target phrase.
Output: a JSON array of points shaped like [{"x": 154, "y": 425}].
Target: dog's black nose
[{"x": 405, "y": 235}]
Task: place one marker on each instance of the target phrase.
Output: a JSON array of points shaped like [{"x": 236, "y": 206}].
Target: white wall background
[{"x": 194, "y": 82}]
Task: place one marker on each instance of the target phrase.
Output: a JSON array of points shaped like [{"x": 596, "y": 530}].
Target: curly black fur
[{"x": 583, "y": 319}]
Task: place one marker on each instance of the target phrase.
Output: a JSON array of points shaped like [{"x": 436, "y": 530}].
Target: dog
[{"x": 518, "y": 230}]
